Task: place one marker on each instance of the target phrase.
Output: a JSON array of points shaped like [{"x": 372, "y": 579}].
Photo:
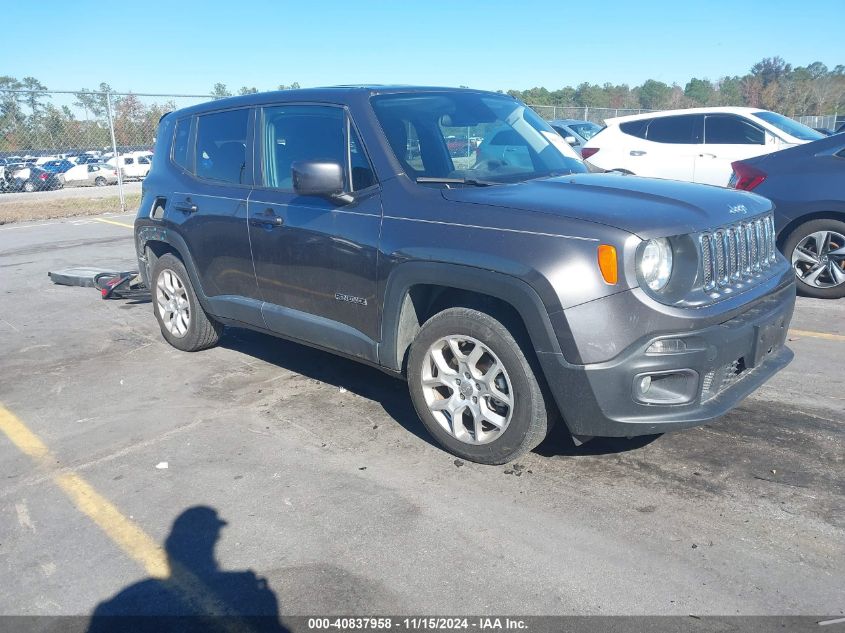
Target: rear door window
[
  {"x": 674, "y": 129},
  {"x": 221, "y": 146},
  {"x": 729, "y": 129}
]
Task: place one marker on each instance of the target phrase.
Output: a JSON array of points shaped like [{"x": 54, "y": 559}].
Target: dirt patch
[{"x": 18, "y": 210}]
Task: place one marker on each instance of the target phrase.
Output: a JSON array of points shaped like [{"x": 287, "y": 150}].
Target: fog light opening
[{"x": 668, "y": 387}]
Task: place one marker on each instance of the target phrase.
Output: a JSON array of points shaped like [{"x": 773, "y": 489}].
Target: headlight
[{"x": 656, "y": 263}]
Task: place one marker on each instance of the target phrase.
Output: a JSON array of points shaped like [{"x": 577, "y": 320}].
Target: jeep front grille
[{"x": 735, "y": 254}]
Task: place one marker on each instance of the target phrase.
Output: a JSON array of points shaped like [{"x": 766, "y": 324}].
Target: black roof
[{"x": 329, "y": 94}]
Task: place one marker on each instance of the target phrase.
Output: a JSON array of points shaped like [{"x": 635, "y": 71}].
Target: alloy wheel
[
  {"x": 173, "y": 304},
  {"x": 819, "y": 259},
  {"x": 467, "y": 389}
]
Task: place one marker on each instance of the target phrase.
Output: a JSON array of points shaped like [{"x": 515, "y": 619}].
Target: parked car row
[
  {"x": 133, "y": 165},
  {"x": 31, "y": 178}
]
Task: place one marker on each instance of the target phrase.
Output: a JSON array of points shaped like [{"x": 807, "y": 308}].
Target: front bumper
[{"x": 727, "y": 361}]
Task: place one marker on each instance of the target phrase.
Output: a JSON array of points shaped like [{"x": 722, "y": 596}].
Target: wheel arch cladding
[
  {"x": 160, "y": 242},
  {"x": 415, "y": 291}
]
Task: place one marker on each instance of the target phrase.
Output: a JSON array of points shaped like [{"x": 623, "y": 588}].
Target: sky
[{"x": 182, "y": 47}]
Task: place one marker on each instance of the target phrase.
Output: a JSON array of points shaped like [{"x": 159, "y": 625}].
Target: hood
[{"x": 647, "y": 207}]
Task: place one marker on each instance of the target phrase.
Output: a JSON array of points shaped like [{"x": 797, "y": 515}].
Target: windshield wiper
[{"x": 455, "y": 181}]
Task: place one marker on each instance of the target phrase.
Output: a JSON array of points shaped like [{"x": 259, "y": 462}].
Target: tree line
[
  {"x": 30, "y": 121},
  {"x": 771, "y": 83}
]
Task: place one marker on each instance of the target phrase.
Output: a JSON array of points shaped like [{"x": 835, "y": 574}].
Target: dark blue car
[
  {"x": 807, "y": 185},
  {"x": 57, "y": 166}
]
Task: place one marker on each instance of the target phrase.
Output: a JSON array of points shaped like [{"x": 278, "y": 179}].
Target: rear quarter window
[
  {"x": 181, "y": 136},
  {"x": 635, "y": 128}
]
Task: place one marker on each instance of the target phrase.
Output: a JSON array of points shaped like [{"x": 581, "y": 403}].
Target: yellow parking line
[
  {"x": 123, "y": 224},
  {"x": 824, "y": 335},
  {"x": 125, "y": 533}
]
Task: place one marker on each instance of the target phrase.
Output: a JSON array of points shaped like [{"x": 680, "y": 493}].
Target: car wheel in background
[
  {"x": 100, "y": 181},
  {"x": 28, "y": 187},
  {"x": 183, "y": 322},
  {"x": 817, "y": 252},
  {"x": 475, "y": 389}
]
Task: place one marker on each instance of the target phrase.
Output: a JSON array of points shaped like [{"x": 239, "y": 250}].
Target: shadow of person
[{"x": 197, "y": 595}]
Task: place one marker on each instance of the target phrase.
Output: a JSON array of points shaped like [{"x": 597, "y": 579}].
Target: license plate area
[{"x": 768, "y": 338}]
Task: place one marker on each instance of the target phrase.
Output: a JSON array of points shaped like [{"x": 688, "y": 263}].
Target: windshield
[
  {"x": 585, "y": 130},
  {"x": 471, "y": 137},
  {"x": 790, "y": 126}
]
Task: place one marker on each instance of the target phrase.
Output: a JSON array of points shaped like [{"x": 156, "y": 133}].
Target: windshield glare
[
  {"x": 464, "y": 135},
  {"x": 790, "y": 126}
]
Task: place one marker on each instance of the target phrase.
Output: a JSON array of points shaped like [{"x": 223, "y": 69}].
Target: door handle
[
  {"x": 267, "y": 217},
  {"x": 186, "y": 206},
  {"x": 637, "y": 152},
  {"x": 707, "y": 155}
]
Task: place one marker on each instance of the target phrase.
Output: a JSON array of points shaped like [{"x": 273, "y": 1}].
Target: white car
[
  {"x": 696, "y": 145},
  {"x": 134, "y": 165},
  {"x": 96, "y": 174}
]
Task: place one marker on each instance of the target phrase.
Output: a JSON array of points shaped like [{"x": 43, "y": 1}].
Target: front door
[
  {"x": 315, "y": 258},
  {"x": 727, "y": 138}
]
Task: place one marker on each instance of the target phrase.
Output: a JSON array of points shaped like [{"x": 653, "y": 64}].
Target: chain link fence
[
  {"x": 596, "y": 115},
  {"x": 68, "y": 153}
]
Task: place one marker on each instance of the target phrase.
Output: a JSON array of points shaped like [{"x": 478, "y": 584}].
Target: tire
[
  {"x": 188, "y": 327},
  {"x": 801, "y": 248},
  {"x": 523, "y": 424},
  {"x": 99, "y": 181},
  {"x": 28, "y": 187}
]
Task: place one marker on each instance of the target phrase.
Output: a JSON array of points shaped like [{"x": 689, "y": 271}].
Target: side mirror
[
  {"x": 317, "y": 178},
  {"x": 571, "y": 140}
]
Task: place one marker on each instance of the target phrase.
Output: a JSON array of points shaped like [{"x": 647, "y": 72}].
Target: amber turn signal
[{"x": 607, "y": 263}]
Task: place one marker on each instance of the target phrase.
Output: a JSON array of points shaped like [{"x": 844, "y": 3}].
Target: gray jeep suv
[{"x": 508, "y": 294}]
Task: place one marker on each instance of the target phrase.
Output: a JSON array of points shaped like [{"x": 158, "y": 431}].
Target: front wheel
[
  {"x": 183, "y": 322},
  {"x": 99, "y": 181},
  {"x": 28, "y": 187},
  {"x": 475, "y": 389},
  {"x": 817, "y": 252}
]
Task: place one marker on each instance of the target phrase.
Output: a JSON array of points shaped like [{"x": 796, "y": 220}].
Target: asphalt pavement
[{"x": 333, "y": 493}]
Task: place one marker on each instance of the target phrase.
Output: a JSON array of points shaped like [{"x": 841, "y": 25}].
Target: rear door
[
  {"x": 211, "y": 211},
  {"x": 670, "y": 148},
  {"x": 727, "y": 138},
  {"x": 315, "y": 258}
]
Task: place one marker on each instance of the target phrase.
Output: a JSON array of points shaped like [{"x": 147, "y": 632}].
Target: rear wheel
[
  {"x": 183, "y": 322},
  {"x": 475, "y": 389},
  {"x": 817, "y": 252},
  {"x": 28, "y": 187}
]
